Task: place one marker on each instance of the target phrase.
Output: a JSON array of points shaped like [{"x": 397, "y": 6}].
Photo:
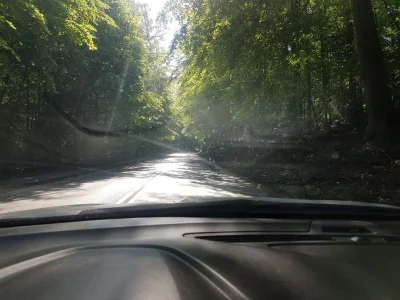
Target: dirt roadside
[{"x": 336, "y": 164}]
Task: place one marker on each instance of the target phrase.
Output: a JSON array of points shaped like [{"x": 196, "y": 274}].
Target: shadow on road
[
  {"x": 172, "y": 177},
  {"x": 36, "y": 191},
  {"x": 200, "y": 173}
]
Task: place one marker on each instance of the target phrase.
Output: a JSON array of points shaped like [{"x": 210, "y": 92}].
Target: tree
[
  {"x": 292, "y": 61},
  {"x": 373, "y": 71},
  {"x": 71, "y": 71}
]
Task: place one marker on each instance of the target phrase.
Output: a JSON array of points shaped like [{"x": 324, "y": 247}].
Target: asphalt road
[{"x": 172, "y": 177}]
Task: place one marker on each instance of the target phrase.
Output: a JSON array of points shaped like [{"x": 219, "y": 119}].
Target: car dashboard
[{"x": 201, "y": 258}]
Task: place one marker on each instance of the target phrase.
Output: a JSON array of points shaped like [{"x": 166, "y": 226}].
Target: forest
[
  {"x": 88, "y": 81},
  {"x": 76, "y": 78},
  {"x": 308, "y": 62}
]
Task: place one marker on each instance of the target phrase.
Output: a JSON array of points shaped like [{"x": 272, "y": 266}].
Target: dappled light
[
  {"x": 144, "y": 101},
  {"x": 176, "y": 177}
]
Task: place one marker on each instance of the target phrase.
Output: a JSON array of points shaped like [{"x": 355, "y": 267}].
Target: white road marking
[
  {"x": 171, "y": 178},
  {"x": 130, "y": 197}
]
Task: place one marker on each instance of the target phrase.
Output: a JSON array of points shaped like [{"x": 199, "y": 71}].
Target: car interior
[{"x": 201, "y": 258}]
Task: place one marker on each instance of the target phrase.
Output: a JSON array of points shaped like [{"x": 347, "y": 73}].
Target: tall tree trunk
[
  {"x": 373, "y": 71},
  {"x": 354, "y": 111},
  {"x": 4, "y": 88},
  {"x": 311, "y": 113},
  {"x": 325, "y": 79}
]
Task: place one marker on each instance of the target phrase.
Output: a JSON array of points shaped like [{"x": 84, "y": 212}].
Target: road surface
[{"x": 173, "y": 177}]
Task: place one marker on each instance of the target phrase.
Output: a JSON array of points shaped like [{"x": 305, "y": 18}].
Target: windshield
[{"x": 146, "y": 101}]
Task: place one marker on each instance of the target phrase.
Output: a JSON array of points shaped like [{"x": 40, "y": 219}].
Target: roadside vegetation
[
  {"x": 77, "y": 79},
  {"x": 300, "y": 95}
]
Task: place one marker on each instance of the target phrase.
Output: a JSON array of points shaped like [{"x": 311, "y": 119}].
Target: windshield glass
[{"x": 147, "y": 101}]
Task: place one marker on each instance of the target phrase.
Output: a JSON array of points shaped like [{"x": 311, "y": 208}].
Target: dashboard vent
[
  {"x": 392, "y": 239},
  {"x": 345, "y": 229},
  {"x": 259, "y": 238}
]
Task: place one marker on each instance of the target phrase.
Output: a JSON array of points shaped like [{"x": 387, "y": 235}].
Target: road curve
[{"x": 174, "y": 177}]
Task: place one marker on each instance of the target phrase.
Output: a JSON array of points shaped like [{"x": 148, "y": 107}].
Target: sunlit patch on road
[{"x": 173, "y": 178}]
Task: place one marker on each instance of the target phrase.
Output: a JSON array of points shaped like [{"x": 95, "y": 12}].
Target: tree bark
[
  {"x": 325, "y": 81},
  {"x": 354, "y": 105},
  {"x": 311, "y": 113},
  {"x": 373, "y": 71}
]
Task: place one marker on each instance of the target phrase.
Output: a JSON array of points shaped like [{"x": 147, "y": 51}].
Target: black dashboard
[{"x": 201, "y": 258}]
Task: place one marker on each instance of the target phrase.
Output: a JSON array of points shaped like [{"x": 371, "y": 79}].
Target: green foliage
[
  {"x": 250, "y": 61},
  {"x": 240, "y": 63},
  {"x": 89, "y": 57}
]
